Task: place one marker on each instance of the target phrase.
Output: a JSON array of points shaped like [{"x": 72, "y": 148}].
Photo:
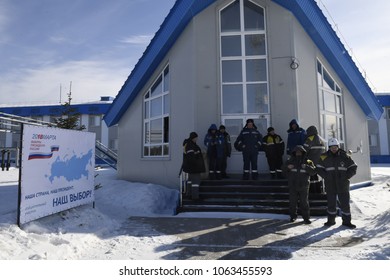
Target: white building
[
  {"x": 380, "y": 132},
  {"x": 224, "y": 61},
  {"x": 91, "y": 115}
]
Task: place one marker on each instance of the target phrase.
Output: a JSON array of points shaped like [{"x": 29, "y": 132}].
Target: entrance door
[{"x": 234, "y": 125}]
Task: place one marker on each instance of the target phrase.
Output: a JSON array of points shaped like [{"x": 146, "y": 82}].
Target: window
[
  {"x": 244, "y": 76},
  {"x": 373, "y": 140},
  {"x": 234, "y": 125},
  {"x": 54, "y": 118},
  {"x": 156, "y": 117},
  {"x": 388, "y": 113},
  {"x": 94, "y": 120},
  {"x": 37, "y": 118},
  {"x": 114, "y": 144},
  {"x": 331, "y": 108}
]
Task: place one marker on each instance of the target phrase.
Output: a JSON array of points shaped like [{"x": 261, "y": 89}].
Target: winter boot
[
  {"x": 331, "y": 221},
  {"x": 273, "y": 175},
  {"x": 195, "y": 191},
  {"x": 306, "y": 221},
  {"x": 349, "y": 225},
  {"x": 347, "y": 221},
  {"x": 187, "y": 189},
  {"x": 218, "y": 175},
  {"x": 255, "y": 175},
  {"x": 279, "y": 174},
  {"x": 211, "y": 175},
  {"x": 245, "y": 176}
]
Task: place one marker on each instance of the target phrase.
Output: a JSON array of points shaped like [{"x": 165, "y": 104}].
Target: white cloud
[
  {"x": 137, "y": 40},
  {"x": 58, "y": 39},
  {"x": 90, "y": 80},
  {"x": 3, "y": 22},
  {"x": 373, "y": 63},
  {"x": 363, "y": 29}
]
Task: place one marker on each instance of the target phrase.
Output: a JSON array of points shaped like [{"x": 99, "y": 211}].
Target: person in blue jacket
[
  {"x": 214, "y": 141},
  {"x": 296, "y": 136},
  {"x": 249, "y": 142}
]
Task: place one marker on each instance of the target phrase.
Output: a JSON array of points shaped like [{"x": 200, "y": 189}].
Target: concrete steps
[{"x": 255, "y": 196}]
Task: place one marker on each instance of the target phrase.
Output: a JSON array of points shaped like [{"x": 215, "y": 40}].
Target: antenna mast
[{"x": 70, "y": 92}]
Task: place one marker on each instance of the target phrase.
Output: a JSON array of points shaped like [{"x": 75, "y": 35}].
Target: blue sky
[
  {"x": 45, "y": 44},
  {"x": 93, "y": 43},
  {"x": 365, "y": 28}
]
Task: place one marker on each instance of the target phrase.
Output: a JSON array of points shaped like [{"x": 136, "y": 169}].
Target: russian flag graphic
[{"x": 44, "y": 155}]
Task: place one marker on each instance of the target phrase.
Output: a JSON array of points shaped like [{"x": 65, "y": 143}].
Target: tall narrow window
[
  {"x": 243, "y": 63},
  {"x": 331, "y": 109},
  {"x": 156, "y": 117}
]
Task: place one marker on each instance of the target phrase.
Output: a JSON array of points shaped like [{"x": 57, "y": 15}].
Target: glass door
[{"x": 234, "y": 125}]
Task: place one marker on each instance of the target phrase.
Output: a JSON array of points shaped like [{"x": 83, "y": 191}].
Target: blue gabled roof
[
  {"x": 55, "y": 110},
  {"x": 384, "y": 100},
  {"x": 307, "y": 13}
]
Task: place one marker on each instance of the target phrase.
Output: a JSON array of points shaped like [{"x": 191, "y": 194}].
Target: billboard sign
[{"x": 57, "y": 171}]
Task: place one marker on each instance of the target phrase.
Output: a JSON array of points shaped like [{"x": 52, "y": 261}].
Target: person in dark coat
[
  {"x": 315, "y": 147},
  {"x": 193, "y": 162},
  {"x": 214, "y": 141},
  {"x": 273, "y": 147},
  {"x": 298, "y": 170},
  {"x": 227, "y": 150},
  {"x": 296, "y": 136},
  {"x": 337, "y": 168},
  {"x": 249, "y": 143}
]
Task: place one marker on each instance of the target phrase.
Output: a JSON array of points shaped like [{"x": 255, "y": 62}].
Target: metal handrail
[
  {"x": 25, "y": 120},
  {"x": 106, "y": 150}
]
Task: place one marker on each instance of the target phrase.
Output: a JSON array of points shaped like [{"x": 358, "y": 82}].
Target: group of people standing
[
  {"x": 217, "y": 142},
  {"x": 307, "y": 164}
]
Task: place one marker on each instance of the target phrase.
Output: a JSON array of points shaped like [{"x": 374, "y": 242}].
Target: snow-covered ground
[{"x": 97, "y": 233}]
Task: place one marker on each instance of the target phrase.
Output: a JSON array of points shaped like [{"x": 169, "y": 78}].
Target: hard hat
[{"x": 333, "y": 142}]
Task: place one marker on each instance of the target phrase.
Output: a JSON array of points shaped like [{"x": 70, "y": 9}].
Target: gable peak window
[{"x": 243, "y": 63}]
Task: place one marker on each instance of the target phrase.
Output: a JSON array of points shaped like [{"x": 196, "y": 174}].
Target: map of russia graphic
[{"x": 71, "y": 169}]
